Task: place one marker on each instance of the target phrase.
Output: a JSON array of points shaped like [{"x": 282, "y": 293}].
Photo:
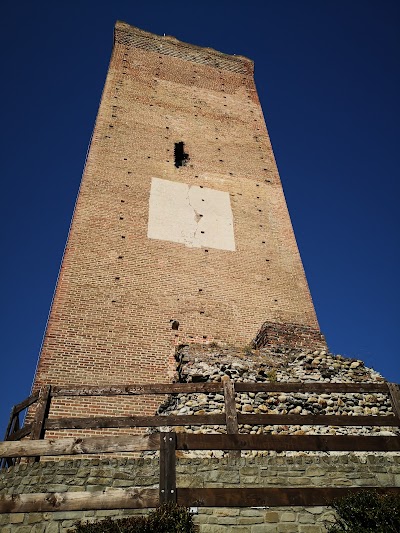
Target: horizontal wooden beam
[
  {"x": 26, "y": 403},
  {"x": 134, "y": 421},
  {"x": 318, "y": 420},
  {"x": 322, "y": 443},
  {"x": 78, "y": 446},
  {"x": 176, "y": 388},
  {"x": 269, "y": 497},
  {"x": 312, "y": 387},
  {"x": 132, "y": 390},
  {"x": 135, "y": 498}
]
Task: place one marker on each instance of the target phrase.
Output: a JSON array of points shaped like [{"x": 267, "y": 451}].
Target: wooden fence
[{"x": 13, "y": 448}]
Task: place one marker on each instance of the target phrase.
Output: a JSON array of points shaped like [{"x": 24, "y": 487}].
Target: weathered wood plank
[
  {"x": 15, "y": 429},
  {"x": 41, "y": 413},
  {"x": 38, "y": 424},
  {"x": 78, "y": 446},
  {"x": 132, "y": 390},
  {"x": 287, "y": 442},
  {"x": 167, "y": 467},
  {"x": 26, "y": 403},
  {"x": 134, "y": 498},
  {"x": 176, "y": 388},
  {"x": 12, "y": 423},
  {"x": 318, "y": 420},
  {"x": 230, "y": 407},
  {"x": 21, "y": 433},
  {"x": 134, "y": 421},
  {"x": 394, "y": 390},
  {"x": 230, "y": 411},
  {"x": 269, "y": 497},
  {"x": 312, "y": 387}
]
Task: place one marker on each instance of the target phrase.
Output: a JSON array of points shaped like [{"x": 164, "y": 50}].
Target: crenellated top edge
[{"x": 134, "y": 37}]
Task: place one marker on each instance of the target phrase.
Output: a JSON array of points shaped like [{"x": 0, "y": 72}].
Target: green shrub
[
  {"x": 168, "y": 518},
  {"x": 272, "y": 375},
  {"x": 367, "y": 512},
  {"x": 248, "y": 350}
]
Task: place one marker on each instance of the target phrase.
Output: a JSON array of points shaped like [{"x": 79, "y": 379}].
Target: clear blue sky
[{"x": 327, "y": 73}]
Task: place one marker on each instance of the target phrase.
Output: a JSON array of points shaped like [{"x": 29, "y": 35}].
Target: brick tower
[{"x": 181, "y": 231}]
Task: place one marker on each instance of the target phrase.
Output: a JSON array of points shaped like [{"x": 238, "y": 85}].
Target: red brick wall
[
  {"x": 119, "y": 290},
  {"x": 275, "y": 334}
]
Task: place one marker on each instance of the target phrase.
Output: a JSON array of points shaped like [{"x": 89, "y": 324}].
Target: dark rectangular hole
[{"x": 181, "y": 157}]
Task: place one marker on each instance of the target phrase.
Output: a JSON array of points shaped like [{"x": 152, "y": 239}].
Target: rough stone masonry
[{"x": 98, "y": 475}]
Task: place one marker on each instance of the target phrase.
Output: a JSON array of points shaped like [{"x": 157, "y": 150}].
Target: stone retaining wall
[{"x": 308, "y": 470}]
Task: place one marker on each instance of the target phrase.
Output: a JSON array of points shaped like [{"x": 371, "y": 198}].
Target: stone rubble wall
[
  {"x": 211, "y": 363},
  {"x": 364, "y": 469}
]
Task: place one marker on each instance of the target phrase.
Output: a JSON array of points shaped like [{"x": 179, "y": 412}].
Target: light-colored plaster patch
[{"x": 194, "y": 216}]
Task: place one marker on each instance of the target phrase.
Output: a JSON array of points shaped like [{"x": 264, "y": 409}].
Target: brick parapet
[{"x": 131, "y": 36}]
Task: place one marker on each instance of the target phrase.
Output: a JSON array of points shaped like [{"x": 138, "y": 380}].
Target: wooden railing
[
  {"x": 13, "y": 448},
  {"x": 231, "y": 418}
]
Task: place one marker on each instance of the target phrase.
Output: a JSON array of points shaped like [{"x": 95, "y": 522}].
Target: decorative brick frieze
[{"x": 170, "y": 46}]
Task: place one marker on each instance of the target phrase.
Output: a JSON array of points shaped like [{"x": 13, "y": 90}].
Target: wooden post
[
  {"x": 394, "y": 390},
  {"x": 10, "y": 424},
  {"x": 7, "y": 461},
  {"x": 41, "y": 413},
  {"x": 167, "y": 467},
  {"x": 232, "y": 427},
  {"x": 42, "y": 410}
]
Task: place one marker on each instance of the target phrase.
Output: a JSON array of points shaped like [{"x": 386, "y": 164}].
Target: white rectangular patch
[{"x": 194, "y": 216}]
